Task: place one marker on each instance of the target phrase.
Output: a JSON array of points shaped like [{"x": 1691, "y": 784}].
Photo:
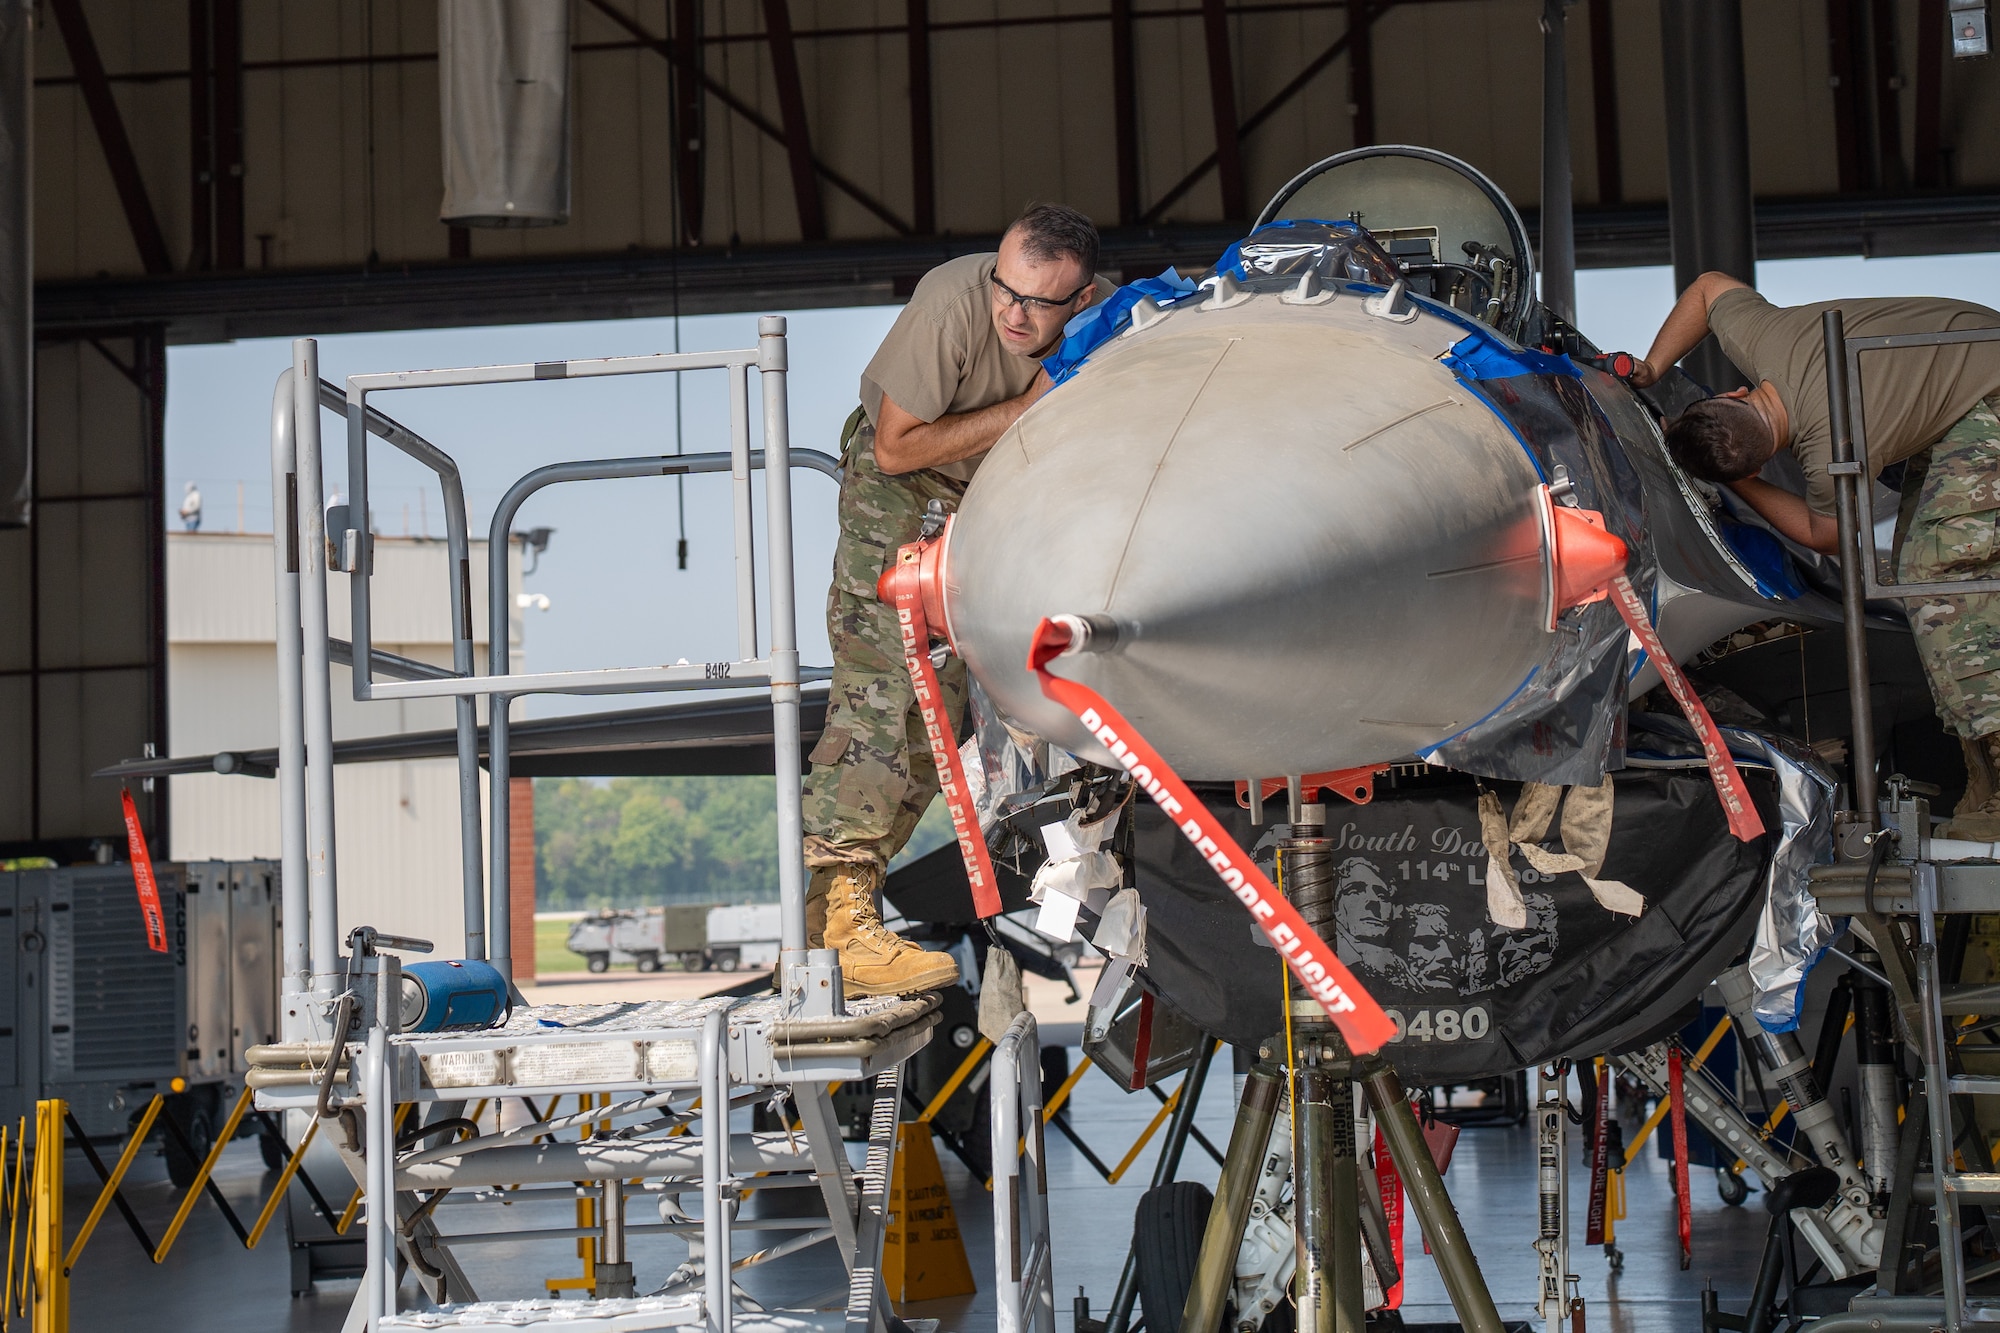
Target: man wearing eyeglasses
[{"x": 960, "y": 365}]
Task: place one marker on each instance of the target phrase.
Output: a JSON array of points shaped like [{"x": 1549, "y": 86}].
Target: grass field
[{"x": 552, "y": 955}]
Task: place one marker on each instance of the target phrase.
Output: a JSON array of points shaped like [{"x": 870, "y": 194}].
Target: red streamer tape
[
  {"x": 1743, "y": 818},
  {"x": 142, "y": 876},
  {"x": 916, "y": 634},
  {"x": 1320, "y": 973}
]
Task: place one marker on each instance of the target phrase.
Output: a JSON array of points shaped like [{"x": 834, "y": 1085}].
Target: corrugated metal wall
[
  {"x": 340, "y": 159},
  {"x": 396, "y": 824},
  {"x": 82, "y": 680}
]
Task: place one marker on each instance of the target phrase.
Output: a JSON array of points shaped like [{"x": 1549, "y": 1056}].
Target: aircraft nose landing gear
[{"x": 1331, "y": 1215}]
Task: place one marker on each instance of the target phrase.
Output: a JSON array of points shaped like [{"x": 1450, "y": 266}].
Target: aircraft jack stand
[
  {"x": 1329, "y": 1220},
  {"x": 1328, "y": 1206}
]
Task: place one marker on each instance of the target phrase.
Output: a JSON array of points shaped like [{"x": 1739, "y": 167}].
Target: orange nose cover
[
  {"x": 931, "y": 560},
  {"x": 1585, "y": 556}
]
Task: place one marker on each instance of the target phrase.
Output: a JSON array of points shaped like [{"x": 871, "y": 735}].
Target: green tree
[
  {"x": 642, "y": 842},
  {"x": 650, "y": 840}
]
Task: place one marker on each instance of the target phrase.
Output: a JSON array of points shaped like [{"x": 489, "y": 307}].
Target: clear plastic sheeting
[
  {"x": 1792, "y": 932},
  {"x": 1561, "y": 726},
  {"x": 1006, "y": 767},
  {"x": 1336, "y": 251}
]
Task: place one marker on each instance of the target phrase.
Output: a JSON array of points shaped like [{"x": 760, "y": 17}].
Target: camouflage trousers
[
  {"x": 872, "y": 773},
  {"x": 1953, "y": 532}
]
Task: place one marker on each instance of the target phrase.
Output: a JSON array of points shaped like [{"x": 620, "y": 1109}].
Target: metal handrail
[
  {"x": 309, "y": 879},
  {"x": 306, "y": 547},
  {"x": 1871, "y": 580},
  {"x": 1854, "y": 520},
  {"x": 458, "y": 544},
  {"x": 1024, "y": 1283}
]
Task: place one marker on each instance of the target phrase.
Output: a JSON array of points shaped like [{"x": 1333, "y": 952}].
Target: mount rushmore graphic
[{"x": 1410, "y": 912}]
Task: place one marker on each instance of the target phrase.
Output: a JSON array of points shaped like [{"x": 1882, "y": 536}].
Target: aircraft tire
[
  {"x": 1166, "y": 1238},
  {"x": 272, "y": 1149},
  {"x": 198, "y": 1125}
]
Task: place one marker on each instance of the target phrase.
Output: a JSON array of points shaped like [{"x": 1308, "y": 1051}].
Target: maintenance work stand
[
  {"x": 1895, "y": 880},
  {"x": 372, "y": 1060}
]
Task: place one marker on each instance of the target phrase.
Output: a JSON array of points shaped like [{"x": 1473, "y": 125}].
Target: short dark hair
[
  {"x": 1713, "y": 440},
  {"x": 1055, "y": 231}
]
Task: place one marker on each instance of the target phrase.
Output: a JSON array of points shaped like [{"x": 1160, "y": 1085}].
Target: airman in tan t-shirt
[
  {"x": 1937, "y": 406},
  {"x": 960, "y": 365}
]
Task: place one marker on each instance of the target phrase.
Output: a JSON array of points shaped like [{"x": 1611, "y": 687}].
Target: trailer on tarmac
[{"x": 653, "y": 935}]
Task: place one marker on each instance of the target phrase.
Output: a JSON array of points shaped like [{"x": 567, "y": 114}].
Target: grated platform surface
[
  {"x": 630, "y": 1315},
  {"x": 651, "y": 1016}
]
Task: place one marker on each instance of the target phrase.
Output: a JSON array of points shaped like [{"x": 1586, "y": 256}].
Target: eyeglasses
[{"x": 1034, "y": 305}]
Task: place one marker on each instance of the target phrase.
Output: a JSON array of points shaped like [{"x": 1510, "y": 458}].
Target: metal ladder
[{"x": 798, "y": 1043}]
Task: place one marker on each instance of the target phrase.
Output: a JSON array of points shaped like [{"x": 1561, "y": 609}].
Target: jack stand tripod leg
[
  {"x": 1215, "y": 1269},
  {"x": 1455, "y": 1261},
  {"x": 1327, "y": 1206},
  {"x": 1375, "y": 1223}
]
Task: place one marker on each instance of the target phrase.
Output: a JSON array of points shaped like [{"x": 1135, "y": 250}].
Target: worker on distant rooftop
[
  {"x": 960, "y": 365},
  {"x": 1935, "y": 409}
]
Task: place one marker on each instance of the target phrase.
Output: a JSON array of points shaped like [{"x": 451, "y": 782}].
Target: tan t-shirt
[
  {"x": 1911, "y": 395},
  {"x": 943, "y": 354}
]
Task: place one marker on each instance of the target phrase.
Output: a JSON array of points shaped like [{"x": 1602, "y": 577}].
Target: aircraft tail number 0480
[{"x": 1471, "y": 1023}]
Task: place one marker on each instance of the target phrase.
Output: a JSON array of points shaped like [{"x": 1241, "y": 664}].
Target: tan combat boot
[
  {"x": 816, "y": 895},
  {"x": 872, "y": 960},
  {"x": 816, "y": 891},
  {"x": 1978, "y": 815}
]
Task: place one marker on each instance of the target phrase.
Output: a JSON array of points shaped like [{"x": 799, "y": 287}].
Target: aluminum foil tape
[{"x": 1792, "y": 932}]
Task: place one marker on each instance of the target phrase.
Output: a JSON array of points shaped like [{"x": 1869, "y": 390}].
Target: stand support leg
[
  {"x": 1455, "y": 1261},
  {"x": 1327, "y": 1204},
  {"x": 1216, "y": 1267}
]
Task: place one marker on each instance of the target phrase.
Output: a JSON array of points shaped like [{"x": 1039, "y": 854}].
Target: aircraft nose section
[{"x": 1316, "y": 547}]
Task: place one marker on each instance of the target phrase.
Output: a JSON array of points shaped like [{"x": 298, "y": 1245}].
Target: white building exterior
[{"x": 396, "y": 824}]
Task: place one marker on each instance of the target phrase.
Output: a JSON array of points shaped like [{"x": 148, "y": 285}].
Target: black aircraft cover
[{"x": 1473, "y": 1000}]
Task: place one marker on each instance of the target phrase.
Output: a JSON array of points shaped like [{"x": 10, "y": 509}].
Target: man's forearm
[
  {"x": 952, "y": 437},
  {"x": 1790, "y": 515},
  {"x": 1687, "y": 323},
  {"x": 1686, "y": 326}
]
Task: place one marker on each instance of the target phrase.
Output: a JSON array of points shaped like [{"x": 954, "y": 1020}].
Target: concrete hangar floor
[{"x": 210, "y": 1283}]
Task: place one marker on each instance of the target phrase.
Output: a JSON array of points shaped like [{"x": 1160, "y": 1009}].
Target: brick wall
[{"x": 521, "y": 874}]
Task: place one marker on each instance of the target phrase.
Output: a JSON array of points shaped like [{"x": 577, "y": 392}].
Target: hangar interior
[{"x": 195, "y": 171}]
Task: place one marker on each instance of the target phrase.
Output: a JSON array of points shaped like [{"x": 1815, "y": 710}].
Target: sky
[{"x": 615, "y": 595}]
